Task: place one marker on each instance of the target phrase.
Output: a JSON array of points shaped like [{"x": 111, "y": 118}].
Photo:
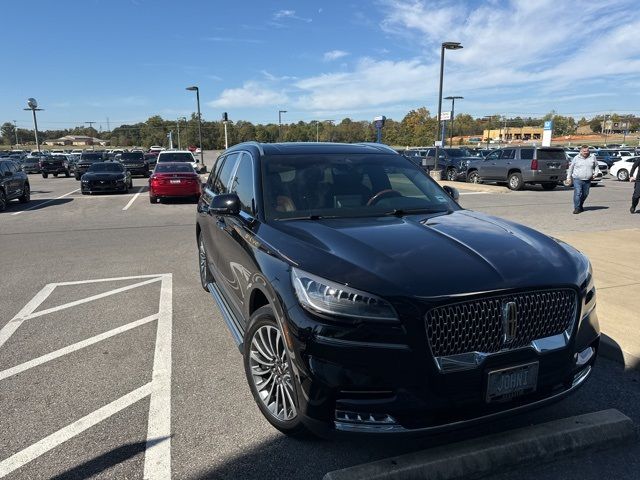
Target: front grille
[{"x": 478, "y": 326}]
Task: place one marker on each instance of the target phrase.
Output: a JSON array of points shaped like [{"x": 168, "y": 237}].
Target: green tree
[{"x": 8, "y": 132}]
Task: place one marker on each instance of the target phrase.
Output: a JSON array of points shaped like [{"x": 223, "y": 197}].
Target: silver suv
[{"x": 518, "y": 166}]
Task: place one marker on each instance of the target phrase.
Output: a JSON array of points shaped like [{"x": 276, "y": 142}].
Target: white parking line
[
  {"x": 9, "y": 372},
  {"x": 44, "y": 203},
  {"x": 133, "y": 199},
  {"x": 475, "y": 193},
  {"x": 23, "y": 314},
  {"x": 32, "y": 452}
]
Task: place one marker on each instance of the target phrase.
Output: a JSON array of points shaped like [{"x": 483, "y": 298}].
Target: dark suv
[
  {"x": 14, "y": 184},
  {"x": 518, "y": 166},
  {"x": 364, "y": 299},
  {"x": 54, "y": 164},
  {"x": 86, "y": 160},
  {"x": 452, "y": 161},
  {"x": 135, "y": 163}
]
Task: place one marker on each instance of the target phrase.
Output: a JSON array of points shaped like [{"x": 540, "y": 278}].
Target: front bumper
[
  {"x": 96, "y": 187},
  {"x": 377, "y": 387},
  {"x": 137, "y": 170}
]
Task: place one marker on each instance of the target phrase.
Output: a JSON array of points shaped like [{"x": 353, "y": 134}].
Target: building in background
[
  {"x": 77, "y": 140},
  {"x": 610, "y": 126},
  {"x": 512, "y": 134}
]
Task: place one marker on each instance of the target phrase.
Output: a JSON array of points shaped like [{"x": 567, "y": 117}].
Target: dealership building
[{"x": 509, "y": 134}]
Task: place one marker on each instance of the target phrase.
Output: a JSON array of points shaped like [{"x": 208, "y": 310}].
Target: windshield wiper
[
  {"x": 308, "y": 217},
  {"x": 401, "y": 212}
]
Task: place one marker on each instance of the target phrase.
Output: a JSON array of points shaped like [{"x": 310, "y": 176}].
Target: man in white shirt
[{"x": 583, "y": 169}]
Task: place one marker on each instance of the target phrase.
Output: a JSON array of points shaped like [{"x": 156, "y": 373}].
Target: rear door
[
  {"x": 551, "y": 160},
  {"x": 487, "y": 169},
  {"x": 5, "y": 180}
]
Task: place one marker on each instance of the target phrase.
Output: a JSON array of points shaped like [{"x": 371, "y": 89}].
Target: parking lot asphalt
[{"x": 136, "y": 375}]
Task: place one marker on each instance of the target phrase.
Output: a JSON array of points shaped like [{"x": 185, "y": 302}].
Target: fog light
[
  {"x": 584, "y": 356},
  {"x": 366, "y": 422},
  {"x": 580, "y": 377}
]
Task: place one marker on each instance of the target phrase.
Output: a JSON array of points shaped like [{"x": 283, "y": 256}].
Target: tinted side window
[
  {"x": 214, "y": 171},
  {"x": 3, "y": 168},
  {"x": 508, "y": 154},
  {"x": 221, "y": 183},
  {"x": 526, "y": 154},
  {"x": 13, "y": 168},
  {"x": 493, "y": 155},
  {"x": 242, "y": 184}
]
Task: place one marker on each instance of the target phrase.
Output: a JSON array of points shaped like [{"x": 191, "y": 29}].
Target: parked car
[
  {"x": 31, "y": 165},
  {"x": 173, "y": 180},
  {"x": 54, "y": 164},
  {"x": 604, "y": 156},
  {"x": 452, "y": 161},
  {"x": 14, "y": 184},
  {"x": 105, "y": 177},
  {"x": 363, "y": 298},
  {"x": 135, "y": 163},
  {"x": 604, "y": 171},
  {"x": 622, "y": 168},
  {"x": 519, "y": 166},
  {"x": 181, "y": 156},
  {"x": 86, "y": 160},
  {"x": 151, "y": 159}
]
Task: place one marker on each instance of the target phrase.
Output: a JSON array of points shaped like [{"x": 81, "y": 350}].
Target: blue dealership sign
[{"x": 548, "y": 125}]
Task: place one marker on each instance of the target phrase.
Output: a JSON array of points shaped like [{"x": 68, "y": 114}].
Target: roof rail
[
  {"x": 255, "y": 144},
  {"x": 379, "y": 146}
]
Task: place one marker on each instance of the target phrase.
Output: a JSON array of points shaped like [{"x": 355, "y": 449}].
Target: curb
[
  {"x": 610, "y": 350},
  {"x": 495, "y": 453},
  {"x": 474, "y": 187}
]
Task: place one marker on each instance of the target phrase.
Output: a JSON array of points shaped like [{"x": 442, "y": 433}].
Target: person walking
[
  {"x": 583, "y": 169},
  {"x": 634, "y": 176}
]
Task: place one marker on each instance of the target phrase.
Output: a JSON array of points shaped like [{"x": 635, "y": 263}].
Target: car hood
[
  {"x": 102, "y": 175},
  {"x": 457, "y": 253}
]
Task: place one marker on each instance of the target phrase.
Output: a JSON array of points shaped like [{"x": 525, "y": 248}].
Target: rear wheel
[
  {"x": 67, "y": 174},
  {"x": 26, "y": 194},
  {"x": 203, "y": 264},
  {"x": 45, "y": 175},
  {"x": 452, "y": 174},
  {"x": 3, "y": 201},
  {"x": 153, "y": 199},
  {"x": 77, "y": 176},
  {"x": 514, "y": 182},
  {"x": 473, "y": 177},
  {"x": 549, "y": 186},
  {"x": 55, "y": 174},
  {"x": 269, "y": 373}
]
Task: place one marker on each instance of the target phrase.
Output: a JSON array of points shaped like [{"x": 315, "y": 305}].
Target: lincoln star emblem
[{"x": 509, "y": 321}]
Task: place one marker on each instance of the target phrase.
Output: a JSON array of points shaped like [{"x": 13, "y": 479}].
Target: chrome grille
[{"x": 477, "y": 325}]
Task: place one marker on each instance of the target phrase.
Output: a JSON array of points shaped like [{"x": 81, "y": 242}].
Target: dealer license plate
[
  {"x": 174, "y": 181},
  {"x": 511, "y": 382}
]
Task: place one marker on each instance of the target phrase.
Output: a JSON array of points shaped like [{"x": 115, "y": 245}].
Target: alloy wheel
[
  {"x": 623, "y": 175},
  {"x": 202, "y": 262},
  {"x": 271, "y": 374}
]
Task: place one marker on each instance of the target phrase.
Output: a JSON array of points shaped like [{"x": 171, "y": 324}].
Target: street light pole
[
  {"x": 197, "y": 90},
  {"x": 33, "y": 106},
  {"x": 453, "y": 104},
  {"x": 15, "y": 130},
  {"x": 178, "y": 128},
  {"x": 280, "y": 112},
  {"x": 445, "y": 46}
]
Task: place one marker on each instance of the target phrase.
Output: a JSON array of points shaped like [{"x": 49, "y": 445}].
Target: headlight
[
  {"x": 82, "y": 180},
  {"x": 317, "y": 294}
]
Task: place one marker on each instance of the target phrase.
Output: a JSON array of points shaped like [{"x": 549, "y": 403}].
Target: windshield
[
  {"x": 106, "y": 167},
  {"x": 132, "y": 156},
  {"x": 92, "y": 157},
  {"x": 341, "y": 185},
  {"x": 456, "y": 152},
  {"x": 179, "y": 168},
  {"x": 176, "y": 157}
]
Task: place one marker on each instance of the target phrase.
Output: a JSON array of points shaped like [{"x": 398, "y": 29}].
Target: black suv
[
  {"x": 14, "y": 184},
  {"x": 135, "y": 163},
  {"x": 86, "y": 160},
  {"x": 364, "y": 299},
  {"x": 55, "y": 165},
  {"x": 452, "y": 161}
]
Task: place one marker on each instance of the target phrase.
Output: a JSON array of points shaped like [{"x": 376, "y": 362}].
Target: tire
[
  {"x": 55, "y": 175},
  {"x": 514, "y": 181},
  {"x": 549, "y": 186},
  {"x": 3, "y": 201},
  {"x": 261, "y": 340},
  {"x": 67, "y": 174},
  {"x": 147, "y": 174},
  {"x": 622, "y": 175},
  {"x": 153, "y": 199},
  {"x": 45, "y": 175},
  {"x": 26, "y": 194},
  {"x": 473, "y": 177},
  {"x": 203, "y": 267},
  {"x": 452, "y": 174},
  {"x": 77, "y": 176}
]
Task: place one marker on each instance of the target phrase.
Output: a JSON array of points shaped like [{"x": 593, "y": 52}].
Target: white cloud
[
  {"x": 251, "y": 94},
  {"x": 284, "y": 14},
  {"x": 334, "y": 55}
]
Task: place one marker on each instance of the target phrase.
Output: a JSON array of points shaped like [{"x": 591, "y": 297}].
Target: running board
[{"x": 227, "y": 315}]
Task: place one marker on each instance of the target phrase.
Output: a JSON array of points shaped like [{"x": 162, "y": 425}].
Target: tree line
[{"x": 417, "y": 128}]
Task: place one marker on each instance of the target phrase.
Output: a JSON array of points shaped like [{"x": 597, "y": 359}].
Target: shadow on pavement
[
  {"x": 610, "y": 349},
  {"x": 106, "y": 460},
  {"x": 32, "y": 206},
  {"x": 588, "y": 209}
]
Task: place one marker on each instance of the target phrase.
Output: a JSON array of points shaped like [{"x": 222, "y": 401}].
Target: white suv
[{"x": 181, "y": 156}]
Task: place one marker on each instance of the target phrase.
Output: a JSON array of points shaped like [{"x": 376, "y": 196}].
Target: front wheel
[
  {"x": 3, "y": 201},
  {"x": 26, "y": 194},
  {"x": 269, "y": 373},
  {"x": 515, "y": 182},
  {"x": 623, "y": 175},
  {"x": 203, "y": 264},
  {"x": 45, "y": 175},
  {"x": 452, "y": 174},
  {"x": 55, "y": 175},
  {"x": 77, "y": 177},
  {"x": 473, "y": 177},
  {"x": 67, "y": 174}
]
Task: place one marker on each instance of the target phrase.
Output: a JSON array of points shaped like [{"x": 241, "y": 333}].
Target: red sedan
[{"x": 170, "y": 180}]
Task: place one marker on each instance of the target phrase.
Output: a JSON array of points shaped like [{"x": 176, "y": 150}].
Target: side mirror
[
  {"x": 452, "y": 192},
  {"x": 226, "y": 204}
]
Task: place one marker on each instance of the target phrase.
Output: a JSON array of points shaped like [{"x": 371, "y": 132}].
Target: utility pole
[
  {"x": 178, "y": 128},
  {"x": 280, "y": 112},
  {"x": 33, "y": 106},
  {"x": 15, "y": 130},
  {"x": 108, "y": 125}
]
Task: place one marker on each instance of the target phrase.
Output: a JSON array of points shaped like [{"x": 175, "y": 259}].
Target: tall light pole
[
  {"x": 178, "y": 128},
  {"x": 33, "y": 106},
  {"x": 445, "y": 46},
  {"x": 280, "y": 112},
  {"x": 604, "y": 128},
  {"x": 15, "y": 130},
  {"x": 453, "y": 105},
  {"x": 197, "y": 90}
]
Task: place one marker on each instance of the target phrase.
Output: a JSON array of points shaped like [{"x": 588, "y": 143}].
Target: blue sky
[{"x": 129, "y": 59}]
